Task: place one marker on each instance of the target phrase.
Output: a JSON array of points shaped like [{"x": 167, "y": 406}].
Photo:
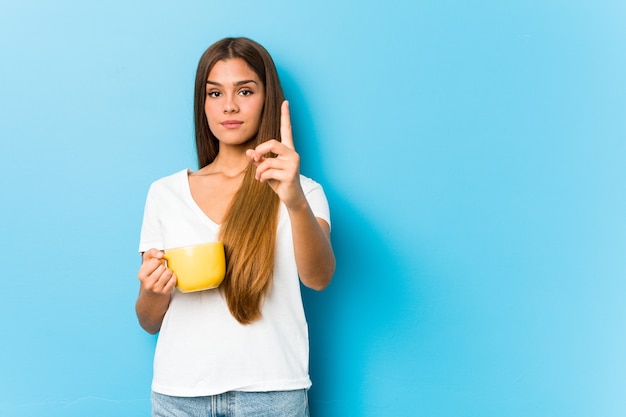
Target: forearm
[
  {"x": 312, "y": 247},
  {"x": 151, "y": 309}
]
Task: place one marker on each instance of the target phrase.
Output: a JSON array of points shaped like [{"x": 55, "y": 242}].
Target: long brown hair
[{"x": 249, "y": 228}]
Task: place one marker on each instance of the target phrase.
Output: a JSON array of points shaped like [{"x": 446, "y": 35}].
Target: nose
[{"x": 230, "y": 105}]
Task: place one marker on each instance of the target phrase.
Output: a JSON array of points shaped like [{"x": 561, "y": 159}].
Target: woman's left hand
[{"x": 282, "y": 173}]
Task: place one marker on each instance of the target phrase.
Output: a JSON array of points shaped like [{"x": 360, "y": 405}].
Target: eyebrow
[{"x": 237, "y": 84}]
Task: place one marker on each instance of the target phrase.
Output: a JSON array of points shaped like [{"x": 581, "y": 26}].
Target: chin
[{"x": 247, "y": 143}]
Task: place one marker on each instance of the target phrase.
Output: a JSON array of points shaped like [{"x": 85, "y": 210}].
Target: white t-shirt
[{"x": 201, "y": 349}]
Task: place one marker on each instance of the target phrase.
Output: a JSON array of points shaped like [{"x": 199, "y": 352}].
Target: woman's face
[{"x": 234, "y": 101}]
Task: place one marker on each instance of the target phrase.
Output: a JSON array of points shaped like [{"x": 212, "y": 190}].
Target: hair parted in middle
[{"x": 249, "y": 228}]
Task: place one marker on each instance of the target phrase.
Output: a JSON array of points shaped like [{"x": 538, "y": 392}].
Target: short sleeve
[
  {"x": 151, "y": 234},
  {"x": 316, "y": 198}
]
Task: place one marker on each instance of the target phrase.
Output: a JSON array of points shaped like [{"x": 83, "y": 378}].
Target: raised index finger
[{"x": 286, "y": 136}]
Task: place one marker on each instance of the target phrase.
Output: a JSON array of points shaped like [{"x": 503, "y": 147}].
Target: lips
[{"x": 231, "y": 124}]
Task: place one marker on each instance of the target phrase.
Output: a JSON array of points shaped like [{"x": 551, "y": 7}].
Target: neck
[{"x": 230, "y": 162}]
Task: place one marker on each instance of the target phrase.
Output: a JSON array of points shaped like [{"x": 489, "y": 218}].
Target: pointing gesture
[
  {"x": 282, "y": 173},
  {"x": 286, "y": 137}
]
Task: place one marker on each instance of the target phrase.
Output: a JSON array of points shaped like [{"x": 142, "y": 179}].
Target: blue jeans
[{"x": 234, "y": 404}]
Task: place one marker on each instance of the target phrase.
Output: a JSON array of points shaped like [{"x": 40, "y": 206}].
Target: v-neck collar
[{"x": 187, "y": 188}]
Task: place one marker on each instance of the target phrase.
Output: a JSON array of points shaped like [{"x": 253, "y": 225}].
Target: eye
[
  {"x": 246, "y": 92},
  {"x": 213, "y": 94}
]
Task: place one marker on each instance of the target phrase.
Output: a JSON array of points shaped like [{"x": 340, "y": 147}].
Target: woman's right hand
[
  {"x": 154, "y": 276},
  {"x": 157, "y": 284}
]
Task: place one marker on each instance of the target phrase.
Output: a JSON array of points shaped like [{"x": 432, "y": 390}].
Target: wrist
[{"x": 298, "y": 205}]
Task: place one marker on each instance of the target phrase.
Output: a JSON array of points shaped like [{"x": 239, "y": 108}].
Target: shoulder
[
  {"x": 168, "y": 187},
  {"x": 316, "y": 197},
  {"x": 170, "y": 181},
  {"x": 309, "y": 185}
]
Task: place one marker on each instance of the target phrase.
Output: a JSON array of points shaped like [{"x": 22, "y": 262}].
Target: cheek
[
  {"x": 209, "y": 112},
  {"x": 208, "y": 109},
  {"x": 259, "y": 111}
]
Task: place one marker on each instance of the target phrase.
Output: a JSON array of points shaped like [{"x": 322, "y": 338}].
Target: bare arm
[
  {"x": 155, "y": 291},
  {"x": 314, "y": 254}
]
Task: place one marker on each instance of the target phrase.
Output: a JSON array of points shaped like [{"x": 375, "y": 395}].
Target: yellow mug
[{"x": 197, "y": 267}]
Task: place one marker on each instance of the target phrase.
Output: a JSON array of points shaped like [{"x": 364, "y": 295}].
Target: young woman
[{"x": 241, "y": 349}]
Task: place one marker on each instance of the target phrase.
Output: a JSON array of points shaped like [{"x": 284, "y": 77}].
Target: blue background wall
[{"x": 473, "y": 154}]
